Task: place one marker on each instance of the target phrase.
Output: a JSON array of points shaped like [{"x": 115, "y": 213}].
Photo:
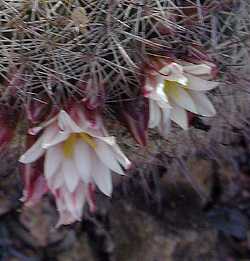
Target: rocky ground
[{"x": 155, "y": 217}]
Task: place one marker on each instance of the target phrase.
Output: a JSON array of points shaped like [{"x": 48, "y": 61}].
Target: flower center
[
  {"x": 69, "y": 144},
  {"x": 171, "y": 87}
]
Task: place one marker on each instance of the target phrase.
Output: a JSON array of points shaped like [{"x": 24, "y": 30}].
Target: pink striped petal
[{"x": 56, "y": 181}]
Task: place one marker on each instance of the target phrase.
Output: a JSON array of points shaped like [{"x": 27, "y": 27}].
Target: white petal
[
  {"x": 159, "y": 96},
  {"x": 58, "y": 138},
  {"x": 53, "y": 159},
  {"x": 165, "y": 123},
  {"x": 65, "y": 123},
  {"x": 102, "y": 177},
  {"x": 198, "y": 69},
  {"x": 203, "y": 105},
  {"x": 106, "y": 155},
  {"x": 82, "y": 158},
  {"x": 182, "y": 98},
  {"x": 179, "y": 116},
  {"x": 121, "y": 157},
  {"x": 36, "y": 130},
  {"x": 49, "y": 134},
  {"x": 33, "y": 153},
  {"x": 174, "y": 72},
  {"x": 70, "y": 174},
  {"x": 154, "y": 114},
  {"x": 149, "y": 85},
  {"x": 198, "y": 84}
]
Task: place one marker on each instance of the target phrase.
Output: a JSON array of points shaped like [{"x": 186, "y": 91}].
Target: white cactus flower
[
  {"x": 176, "y": 89},
  {"x": 76, "y": 154}
]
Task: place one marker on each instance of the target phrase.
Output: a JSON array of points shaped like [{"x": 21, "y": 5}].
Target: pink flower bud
[
  {"x": 37, "y": 111},
  {"x": 135, "y": 115}
]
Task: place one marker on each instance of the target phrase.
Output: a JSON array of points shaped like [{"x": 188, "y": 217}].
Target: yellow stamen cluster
[
  {"x": 171, "y": 87},
  {"x": 69, "y": 144}
]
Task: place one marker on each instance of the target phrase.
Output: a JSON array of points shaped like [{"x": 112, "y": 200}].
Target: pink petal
[
  {"x": 35, "y": 185},
  {"x": 56, "y": 181},
  {"x": 79, "y": 198}
]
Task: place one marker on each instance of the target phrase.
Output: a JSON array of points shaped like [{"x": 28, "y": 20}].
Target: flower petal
[
  {"x": 179, "y": 116},
  {"x": 154, "y": 114},
  {"x": 164, "y": 126},
  {"x": 198, "y": 69},
  {"x": 65, "y": 123},
  {"x": 79, "y": 197},
  {"x": 69, "y": 201},
  {"x": 198, "y": 84},
  {"x": 56, "y": 181},
  {"x": 203, "y": 105},
  {"x": 182, "y": 98},
  {"x": 53, "y": 159},
  {"x": 106, "y": 155},
  {"x": 121, "y": 157},
  {"x": 158, "y": 94},
  {"x": 174, "y": 72},
  {"x": 58, "y": 138},
  {"x": 70, "y": 174},
  {"x": 102, "y": 177},
  {"x": 49, "y": 134},
  {"x": 33, "y": 153},
  {"x": 82, "y": 158}
]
